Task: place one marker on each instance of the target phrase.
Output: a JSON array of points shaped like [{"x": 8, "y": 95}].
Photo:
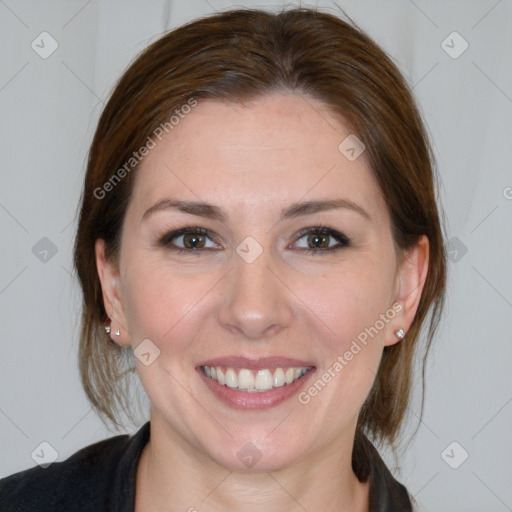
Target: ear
[
  {"x": 411, "y": 276},
  {"x": 108, "y": 274}
]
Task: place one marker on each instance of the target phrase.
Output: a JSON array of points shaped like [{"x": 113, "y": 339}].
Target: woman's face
[{"x": 246, "y": 294}]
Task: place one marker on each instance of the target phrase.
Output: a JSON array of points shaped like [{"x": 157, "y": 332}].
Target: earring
[
  {"x": 400, "y": 334},
  {"x": 107, "y": 329},
  {"x": 118, "y": 332}
]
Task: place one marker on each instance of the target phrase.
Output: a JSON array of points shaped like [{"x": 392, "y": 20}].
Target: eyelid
[
  {"x": 165, "y": 240},
  {"x": 343, "y": 240}
]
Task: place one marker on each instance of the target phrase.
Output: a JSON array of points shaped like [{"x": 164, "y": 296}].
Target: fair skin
[{"x": 252, "y": 162}]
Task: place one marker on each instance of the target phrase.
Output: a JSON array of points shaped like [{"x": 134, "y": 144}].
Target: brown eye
[
  {"x": 189, "y": 240},
  {"x": 320, "y": 239},
  {"x": 193, "y": 241}
]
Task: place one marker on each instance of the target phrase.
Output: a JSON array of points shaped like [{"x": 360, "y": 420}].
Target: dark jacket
[{"x": 101, "y": 478}]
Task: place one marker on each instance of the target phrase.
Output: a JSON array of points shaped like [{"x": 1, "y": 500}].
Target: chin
[{"x": 258, "y": 456}]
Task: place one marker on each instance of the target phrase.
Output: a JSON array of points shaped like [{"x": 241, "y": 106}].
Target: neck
[{"x": 173, "y": 475}]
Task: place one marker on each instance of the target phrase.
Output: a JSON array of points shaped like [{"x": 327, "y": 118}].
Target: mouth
[
  {"x": 255, "y": 384},
  {"x": 254, "y": 381}
]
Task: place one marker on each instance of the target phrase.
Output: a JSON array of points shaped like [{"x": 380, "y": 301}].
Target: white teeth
[
  {"x": 245, "y": 379},
  {"x": 231, "y": 379},
  {"x": 278, "y": 378},
  {"x": 264, "y": 380},
  {"x": 249, "y": 381}
]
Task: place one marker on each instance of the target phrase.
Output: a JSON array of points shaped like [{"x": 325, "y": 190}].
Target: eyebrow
[{"x": 213, "y": 212}]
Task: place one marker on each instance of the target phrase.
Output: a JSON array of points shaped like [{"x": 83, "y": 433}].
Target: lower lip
[{"x": 256, "y": 400}]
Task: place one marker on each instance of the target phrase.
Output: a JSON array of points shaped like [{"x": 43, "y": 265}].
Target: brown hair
[{"x": 241, "y": 55}]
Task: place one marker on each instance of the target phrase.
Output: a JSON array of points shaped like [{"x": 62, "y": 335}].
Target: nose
[{"x": 256, "y": 299}]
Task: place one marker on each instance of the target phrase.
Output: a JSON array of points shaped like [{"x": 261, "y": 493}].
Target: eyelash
[{"x": 342, "y": 240}]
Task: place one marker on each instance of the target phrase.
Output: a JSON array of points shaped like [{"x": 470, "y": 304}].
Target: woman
[{"x": 259, "y": 225}]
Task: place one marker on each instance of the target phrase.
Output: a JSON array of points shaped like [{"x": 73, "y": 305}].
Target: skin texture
[{"x": 252, "y": 161}]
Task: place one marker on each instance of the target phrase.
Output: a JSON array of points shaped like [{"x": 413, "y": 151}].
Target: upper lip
[{"x": 256, "y": 364}]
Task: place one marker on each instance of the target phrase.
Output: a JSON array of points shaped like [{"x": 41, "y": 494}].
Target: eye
[
  {"x": 188, "y": 240},
  {"x": 318, "y": 239},
  {"x": 194, "y": 239}
]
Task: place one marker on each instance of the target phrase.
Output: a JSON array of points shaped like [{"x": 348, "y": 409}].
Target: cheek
[
  {"x": 348, "y": 305},
  {"x": 349, "y": 300},
  {"x": 158, "y": 300}
]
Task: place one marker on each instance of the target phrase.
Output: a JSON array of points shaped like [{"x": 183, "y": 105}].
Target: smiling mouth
[{"x": 255, "y": 381}]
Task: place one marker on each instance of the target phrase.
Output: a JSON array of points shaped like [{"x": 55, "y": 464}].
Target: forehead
[{"x": 274, "y": 150}]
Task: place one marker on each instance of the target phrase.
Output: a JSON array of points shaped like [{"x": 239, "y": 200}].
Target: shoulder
[{"x": 82, "y": 482}]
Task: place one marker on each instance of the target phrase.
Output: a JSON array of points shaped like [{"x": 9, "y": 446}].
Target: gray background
[{"x": 49, "y": 109}]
